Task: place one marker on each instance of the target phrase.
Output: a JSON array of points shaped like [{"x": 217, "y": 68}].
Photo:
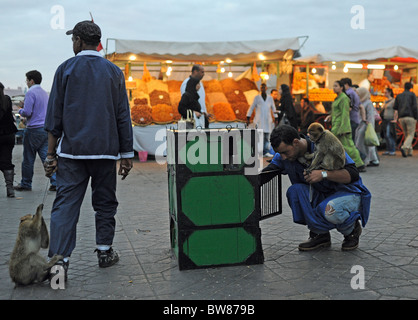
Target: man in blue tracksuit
[
  {"x": 322, "y": 200},
  {"x": 88, "y": 111}
]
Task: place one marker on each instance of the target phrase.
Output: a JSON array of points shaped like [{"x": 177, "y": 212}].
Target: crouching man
[{"x": 322, "y": 200}]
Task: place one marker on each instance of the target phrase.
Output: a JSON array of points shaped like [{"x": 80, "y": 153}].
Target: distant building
[
  {"x": 14, "y": 92},
  {"x": 17, "y": 96}
]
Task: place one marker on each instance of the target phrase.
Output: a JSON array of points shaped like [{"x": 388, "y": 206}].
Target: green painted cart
[{"x": 217, "y": 197}]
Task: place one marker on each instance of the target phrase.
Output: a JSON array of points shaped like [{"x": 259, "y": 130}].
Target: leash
[{"x": 46, "y": 192}]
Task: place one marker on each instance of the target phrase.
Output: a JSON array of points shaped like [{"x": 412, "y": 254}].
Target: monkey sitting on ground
[
  {"x": 26, "y": 265},
  {"x": 329, "y": 153}
]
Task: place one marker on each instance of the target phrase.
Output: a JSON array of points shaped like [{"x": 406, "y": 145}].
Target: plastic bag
[
  {"x": 370, "y": 136},
  {"x": 187, "y": 123},
  {"x": 199, "y": 122},
  {"x": 284, "y": 120}
]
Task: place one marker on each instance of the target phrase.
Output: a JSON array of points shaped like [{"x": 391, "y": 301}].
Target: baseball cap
[{"x": 86, "y": 30}]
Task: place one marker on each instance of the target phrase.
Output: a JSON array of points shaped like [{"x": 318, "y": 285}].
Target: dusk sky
[{"x": 33, "y": 33}]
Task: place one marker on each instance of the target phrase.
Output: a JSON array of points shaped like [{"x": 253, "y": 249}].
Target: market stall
[
  {"x": 389, "y": 67},
  {"x": 381, "y": 68},
  {"x": 154, "y": 72}
]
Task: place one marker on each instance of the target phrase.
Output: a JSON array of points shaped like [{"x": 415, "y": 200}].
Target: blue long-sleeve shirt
[
  {"x": 89, "y": 109},
  {"x": 34, "y": 107}
]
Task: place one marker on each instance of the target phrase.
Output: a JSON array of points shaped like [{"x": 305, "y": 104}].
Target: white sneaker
[{"x": 268, "y": 155}]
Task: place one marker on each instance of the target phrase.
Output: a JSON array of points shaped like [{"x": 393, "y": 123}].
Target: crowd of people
[{"x": 351, "y": 113}]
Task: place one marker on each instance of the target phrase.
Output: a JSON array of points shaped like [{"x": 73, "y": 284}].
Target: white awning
[
  {"x": 371, "y": 55},
  {"x": 237, "y": 51}
]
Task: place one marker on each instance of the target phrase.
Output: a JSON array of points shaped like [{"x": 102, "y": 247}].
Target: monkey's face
[
  {"x": 312, "y": 135},
  {"x": 26, "y": 220},
  {"x": 314, "y": 131},
  {"x": 27, "y": 217}
]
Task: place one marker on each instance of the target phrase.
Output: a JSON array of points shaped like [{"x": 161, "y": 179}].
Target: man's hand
[
  {"x": 313, "y": 177},
  {"x": 338, "y": 176},
  {"x": 51, "y": 160},
  {"x": 124, "y": 168},
  {"x": 198, "y": 114},
  {"x": 50, "y": 166}
]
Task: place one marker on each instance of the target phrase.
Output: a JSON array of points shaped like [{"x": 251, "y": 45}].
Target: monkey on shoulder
[{"x": 329, "y": 153}]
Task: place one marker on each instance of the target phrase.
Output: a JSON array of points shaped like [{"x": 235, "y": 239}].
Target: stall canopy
[
  {"x": 405, "y": 54},
  {"x": 237, "y": 51}
]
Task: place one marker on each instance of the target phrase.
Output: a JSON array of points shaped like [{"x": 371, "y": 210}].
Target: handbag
[
  {"x": 187, "y": 123},
  {"x": 284, "y": 120},
  {"x": 370, "y": 136}
]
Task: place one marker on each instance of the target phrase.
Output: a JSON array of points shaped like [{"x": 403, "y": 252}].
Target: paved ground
[{"x": 148, "y": 270}]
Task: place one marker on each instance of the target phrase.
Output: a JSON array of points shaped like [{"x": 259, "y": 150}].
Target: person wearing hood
[
  {"x": 371, "y": 159},
  {"x": 286, "y": 106},
  {"x": 198, "y": 72},
  {"x": 389, "y": 123},
  {"x": 190, "y": 99}
]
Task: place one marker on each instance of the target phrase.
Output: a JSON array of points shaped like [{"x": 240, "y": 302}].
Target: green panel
[
  {"x": 219, "y": 246},
  {"x": 213, "y": 200}
]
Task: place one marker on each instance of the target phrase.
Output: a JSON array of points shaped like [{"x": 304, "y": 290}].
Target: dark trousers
[
  {"x": 346, "y": 209},
  {"x": 353, "y": 130},
  {"x": 35, "y": 141},
  {"x": 7, "y": 143},
  {"x": 73, "y": 177}
]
